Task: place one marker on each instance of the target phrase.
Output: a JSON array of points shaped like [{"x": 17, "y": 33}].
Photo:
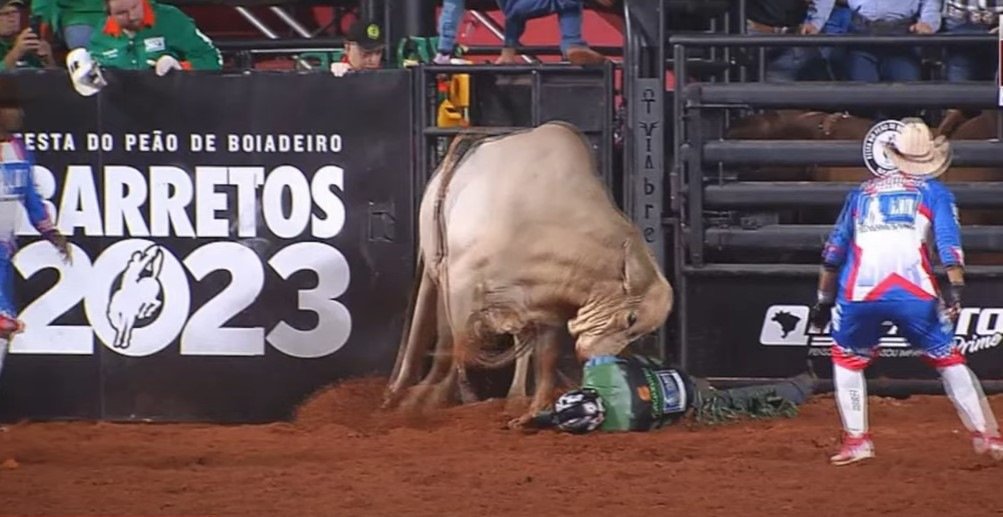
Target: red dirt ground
[{"x": 343, "y": 457}]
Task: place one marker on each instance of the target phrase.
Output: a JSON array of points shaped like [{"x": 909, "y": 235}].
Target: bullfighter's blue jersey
[
  {"x": 881, "y": 239},
  {"x": 17, "y": 187}
]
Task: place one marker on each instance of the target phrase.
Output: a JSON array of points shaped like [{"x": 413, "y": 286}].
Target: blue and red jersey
[
  {"x": 17, "y": 187},
  {"x": 881, "y": 240}
]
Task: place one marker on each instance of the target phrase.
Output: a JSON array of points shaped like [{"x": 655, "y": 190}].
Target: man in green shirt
[
  {"x": 139, "y": 35},
  {"x": 73, "y": 20},
  {"x": 20, "y": 46},
  {"x": 637, "y": 393}
]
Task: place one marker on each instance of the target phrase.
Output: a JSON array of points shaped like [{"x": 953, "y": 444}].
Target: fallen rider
[{"x": 637, "y": 393}]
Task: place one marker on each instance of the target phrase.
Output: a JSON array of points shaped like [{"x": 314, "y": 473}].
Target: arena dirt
[{"x": 341, "y": 456}]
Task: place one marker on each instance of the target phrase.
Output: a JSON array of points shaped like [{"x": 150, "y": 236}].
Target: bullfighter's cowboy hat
[{"x": 915, "y": 152}]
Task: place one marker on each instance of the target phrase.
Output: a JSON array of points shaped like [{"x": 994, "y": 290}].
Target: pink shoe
[
  {"x": 9, "y": 326},
  {"x": 855, "y": 448},
  {"x": 988, "y": 444}
]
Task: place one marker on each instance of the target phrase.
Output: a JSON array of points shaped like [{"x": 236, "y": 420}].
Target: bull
[{"x": 518, "y": 237}]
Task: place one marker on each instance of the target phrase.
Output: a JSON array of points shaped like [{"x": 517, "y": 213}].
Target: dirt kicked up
[{"x": 342, "y": 457}]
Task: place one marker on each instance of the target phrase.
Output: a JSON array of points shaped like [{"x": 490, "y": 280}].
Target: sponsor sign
[
  {"x": 757, "y": 327},
  {"x": 235, "y": 246},
  {"x": 977, "y": 329}
]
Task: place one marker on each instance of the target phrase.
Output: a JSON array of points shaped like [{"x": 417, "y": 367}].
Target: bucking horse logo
[{"x": 138, "y": 295}]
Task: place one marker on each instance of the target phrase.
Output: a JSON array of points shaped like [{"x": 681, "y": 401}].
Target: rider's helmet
[{"x": 579, "y": 411}]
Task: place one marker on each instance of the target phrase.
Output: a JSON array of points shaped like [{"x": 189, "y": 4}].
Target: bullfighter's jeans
[
  {"x": 569, "y": 19},
  {"x": 449, "y": 23}
]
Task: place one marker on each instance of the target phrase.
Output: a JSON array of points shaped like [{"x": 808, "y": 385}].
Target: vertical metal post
[
  {"x": 678, "y": 119},
  {"x": 534, "y": 104},
  {"x": 645, "y": 131},
  {"x": 606, "y": 146},
  {"x": 694, "y": 175}
]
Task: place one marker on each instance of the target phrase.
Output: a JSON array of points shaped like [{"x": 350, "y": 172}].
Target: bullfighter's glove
[
  {"x": 952, "y": 300},
  {"x": 59, "y": 241},
  {"x": 821, "y": 313}
]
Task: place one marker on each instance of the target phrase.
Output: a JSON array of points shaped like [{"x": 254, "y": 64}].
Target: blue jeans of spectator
[
  {"x": 77, "y": 35},
  {"x": 969, "y": 63},
  {"x": 569, "y": 20},
  {"x": 791, "y": 63},
  {"x": 835, "y": 57},
  {"x": 449, "y": 23},
  {"x": 875, "y": 64}
]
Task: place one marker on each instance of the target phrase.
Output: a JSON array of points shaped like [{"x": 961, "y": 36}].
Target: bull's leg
[
  {"x": 547, "y": 351},
  {"x": 442, "y": 364},
  {"x": 418, "y": 340},
  {"x": 519, "y": 376}
]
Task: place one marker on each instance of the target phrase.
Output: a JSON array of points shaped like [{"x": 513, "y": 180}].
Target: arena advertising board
[
  {"x": 238, "y": 242},
  {"x": 767, "y": 335}
]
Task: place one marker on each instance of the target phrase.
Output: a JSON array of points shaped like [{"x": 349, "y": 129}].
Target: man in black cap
[{"x": 364, "y": 46}]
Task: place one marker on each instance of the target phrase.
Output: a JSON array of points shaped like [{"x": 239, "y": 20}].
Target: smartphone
[{"x": 35, "y": 24}]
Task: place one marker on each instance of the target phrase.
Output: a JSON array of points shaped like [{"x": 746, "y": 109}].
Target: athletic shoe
[
  {"x": 9, "y": 326},
  {"x": 988, "y": 444},
  {"x": 855, "y": 448}
]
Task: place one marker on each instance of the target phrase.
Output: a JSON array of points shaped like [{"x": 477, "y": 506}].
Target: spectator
[
  {"x": 139, "y": 34},
  {"x": 838, "y": 23},
  {"x": 569, "y": 18},
  {"x": 971, "y": 17},
  {"x": 969, "y": 63},
  {"x": 364, "y": 47},
  {"x": 886, "y": 17},
  {"x": 788, "y": 17},
  {"x": 20, "y": 47},
  {"x": 74, "y": 20},
  {"x": 449, "y": 22}
]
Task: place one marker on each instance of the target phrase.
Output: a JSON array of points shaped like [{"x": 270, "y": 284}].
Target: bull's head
[{"x": 638, "y": 305}]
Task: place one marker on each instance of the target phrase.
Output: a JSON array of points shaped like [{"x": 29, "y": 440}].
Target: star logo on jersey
[{"x": 874, "y": 147}]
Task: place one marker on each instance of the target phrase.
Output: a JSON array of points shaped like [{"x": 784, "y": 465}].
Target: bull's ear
[{"x": 638, "y": 267}]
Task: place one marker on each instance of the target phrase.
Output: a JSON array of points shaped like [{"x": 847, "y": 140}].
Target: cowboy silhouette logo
[{"x": 137, "y": 294}]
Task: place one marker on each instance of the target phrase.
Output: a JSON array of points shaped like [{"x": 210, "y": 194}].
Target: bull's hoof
[
  {"x": 414, "y": 397},
  {"x": 390, "y": 398},
  {"x": 441, "y": 395}
]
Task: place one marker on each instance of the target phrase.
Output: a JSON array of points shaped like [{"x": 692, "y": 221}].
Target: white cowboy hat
[
  {"x": 85, "y": 73},
  {"x": 915, "y": 152}
]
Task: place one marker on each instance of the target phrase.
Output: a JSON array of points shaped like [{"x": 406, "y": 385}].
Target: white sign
[{"x": 137, "y": 292}]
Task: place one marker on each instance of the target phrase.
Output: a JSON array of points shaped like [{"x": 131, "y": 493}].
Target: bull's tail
[
  {"x": 419, "y": 275},
  {"x": 417, "y": 333}
]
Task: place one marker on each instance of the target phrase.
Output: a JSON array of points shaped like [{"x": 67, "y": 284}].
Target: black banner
[
  {"x": 239, "y": 241},
  {"x": 756, "y": 327}
]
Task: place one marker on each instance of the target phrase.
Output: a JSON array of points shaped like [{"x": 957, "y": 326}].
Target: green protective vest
[
  {"x": 169, "y": 32},
  {"x": 30, "y": 60},
  {"x": 641, "y": 394},
  {"x": 638, "y": 393}
]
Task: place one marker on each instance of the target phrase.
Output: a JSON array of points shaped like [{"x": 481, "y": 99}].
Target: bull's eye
[{"x": 631, "y": 319}]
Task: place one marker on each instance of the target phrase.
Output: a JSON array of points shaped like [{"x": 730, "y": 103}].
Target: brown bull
[{"x": 519, "y": 237}]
